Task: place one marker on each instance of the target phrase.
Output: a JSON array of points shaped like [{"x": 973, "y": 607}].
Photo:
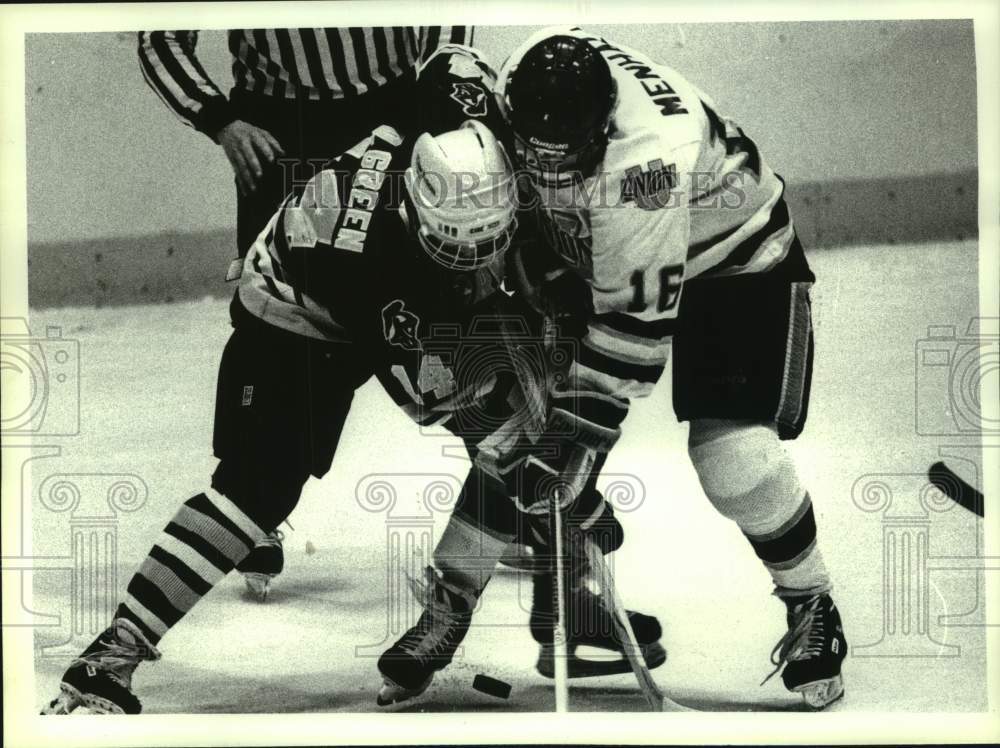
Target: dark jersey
[{"x": 338, "y": 262}]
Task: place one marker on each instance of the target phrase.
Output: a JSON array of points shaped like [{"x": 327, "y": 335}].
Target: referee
[{"x": 299, "y": 98}]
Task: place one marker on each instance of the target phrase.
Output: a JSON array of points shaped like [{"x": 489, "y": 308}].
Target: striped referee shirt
[{"x": 313, "y": 64}]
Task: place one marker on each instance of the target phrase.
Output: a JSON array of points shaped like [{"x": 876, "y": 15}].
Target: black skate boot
[
  {"x": 408, "y": 666},
  {"x": 589, "y": 624},
  {"x": 100, "y": 679},
  {"x": 264, "y": 563},
  {"x": 812, "y": 650}
]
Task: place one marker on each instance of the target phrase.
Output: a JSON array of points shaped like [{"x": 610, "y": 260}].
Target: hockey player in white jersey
[{"x": 666, "y": 212}]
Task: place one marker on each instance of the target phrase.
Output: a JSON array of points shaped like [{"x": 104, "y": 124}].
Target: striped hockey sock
[
  {"x": 204, "y": 541},
  {"x": 750, "y": 478},
  {"x": 791, "y": 556}
]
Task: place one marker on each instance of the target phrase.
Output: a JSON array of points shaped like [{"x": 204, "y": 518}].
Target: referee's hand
[{"x": 249, "y": 149}]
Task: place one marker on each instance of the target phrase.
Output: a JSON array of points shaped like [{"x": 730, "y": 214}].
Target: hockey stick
[
  {"x": 560, "y": 650},
  {"x": 947, "y": 482},
  {"x": 534, "y": 397},
  {"x": 623, "y": 628}
]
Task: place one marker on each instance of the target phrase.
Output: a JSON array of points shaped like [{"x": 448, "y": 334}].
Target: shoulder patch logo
[
  {"x": 649, "y": 188},
  {"x": 471, "y": 97},
  {"x": 400, "y": 325}
]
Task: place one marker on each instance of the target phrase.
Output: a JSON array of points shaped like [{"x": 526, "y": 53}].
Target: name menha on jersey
[
  {"x": 665, "y": 97},
  {"x": 361, "y": 201}
]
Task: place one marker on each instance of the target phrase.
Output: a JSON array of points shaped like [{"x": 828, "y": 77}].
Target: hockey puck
[{"x": 491, "y": 686}]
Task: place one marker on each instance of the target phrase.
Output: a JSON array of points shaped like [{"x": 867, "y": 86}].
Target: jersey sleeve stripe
[
  {"x": 596, "y": 328},
  {"x": 429, "y": 39},
  {"x": 626, "y": 349},
  {"x": 780, "y": 220},
  {"x": 652, "y": 330},
  {"x": 625, "y": 370},
  {"x": 168, "y": 58},
  {"x": 154, "y": 70},
  {"x": 585, "y": 376},
  {"x": 595, "y": 407},
  {"x": 272, "y": 287},
  {"x": 761, "y": 217},
  {"x": 279, "y": 239}
]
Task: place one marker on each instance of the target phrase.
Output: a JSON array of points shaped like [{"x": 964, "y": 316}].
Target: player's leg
[
  {"x": 588, "y": 616},
  {"x": 478, "y": 531},
  {"x": 253, "y": 211},
  {"x": 742, "y": 370},
  {"x": 273, "y": 427}
]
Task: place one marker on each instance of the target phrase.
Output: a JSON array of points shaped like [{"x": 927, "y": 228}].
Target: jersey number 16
[{"x": 670, "y": 287}]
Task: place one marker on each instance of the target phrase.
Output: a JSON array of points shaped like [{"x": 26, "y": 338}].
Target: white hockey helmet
[{"x": 463, "y": 193}]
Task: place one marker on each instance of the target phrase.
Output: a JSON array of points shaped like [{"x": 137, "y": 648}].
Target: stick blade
[{"x": 947, "y": 482}]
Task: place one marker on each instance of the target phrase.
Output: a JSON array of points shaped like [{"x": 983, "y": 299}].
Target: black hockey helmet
[{"x": 558, "y": 99}]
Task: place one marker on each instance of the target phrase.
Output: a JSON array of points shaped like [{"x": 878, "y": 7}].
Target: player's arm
[{"x": 172, "y": 70}]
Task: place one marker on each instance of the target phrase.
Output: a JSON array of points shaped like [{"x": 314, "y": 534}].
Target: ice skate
[
  {"x": 408, "y": 666},
  {"x": 812, "y": 650},
  {"x": 100, "y": 679},
  {"x": 264, "y": 563},
  {"x": 589, "y": 625}
]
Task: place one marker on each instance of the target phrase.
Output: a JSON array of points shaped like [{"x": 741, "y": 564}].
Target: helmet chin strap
[{"x": 408, "y": 212}]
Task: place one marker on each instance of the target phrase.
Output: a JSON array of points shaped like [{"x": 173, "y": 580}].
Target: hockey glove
[
  {"x": 554, "y": 290},
  {"x": 534, "y": 483}
]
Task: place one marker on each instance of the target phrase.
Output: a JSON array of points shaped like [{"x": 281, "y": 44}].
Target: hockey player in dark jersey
[{"x": 336, "y": 288}]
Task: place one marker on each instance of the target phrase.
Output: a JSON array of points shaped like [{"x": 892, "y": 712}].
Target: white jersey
[{"x": 681, "y": 192}]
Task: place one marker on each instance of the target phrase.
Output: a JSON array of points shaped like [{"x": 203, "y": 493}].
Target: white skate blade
[
  {"x": 580, "y": 667},
  {"x": 258, "y": 585},
  {"x": 393, "y": 693},
  {"x": 820, "y": 694}
]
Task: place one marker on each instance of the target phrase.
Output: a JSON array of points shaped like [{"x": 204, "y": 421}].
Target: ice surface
[{"x": 147, "y": 389}]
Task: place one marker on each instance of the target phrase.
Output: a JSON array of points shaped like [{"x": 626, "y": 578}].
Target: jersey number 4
[
  {"x": 433, "y": 378},
  {"x": 670, "y": 287}
]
